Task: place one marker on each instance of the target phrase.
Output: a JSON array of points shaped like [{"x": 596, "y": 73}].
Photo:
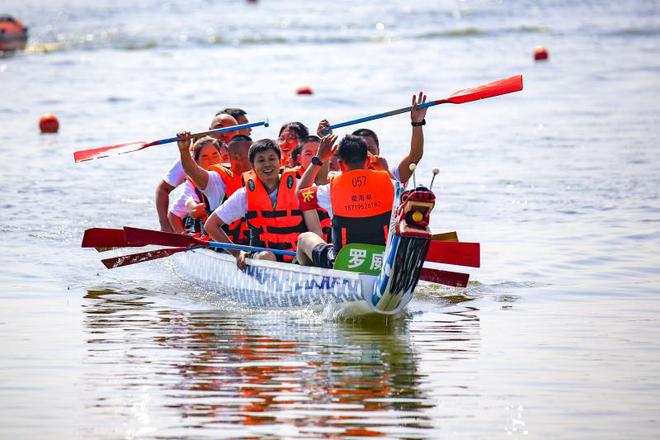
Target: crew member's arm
[
  {"x": 417, "y": 116},
  {"x": 176, "y": 222},
  {"x": 313, "y": 222},
  {"x": 326, "y": 149},
  {"x": 232, "y": 209},
  {"x": 163, "y": 191},
  {"x": 196, "y": 173},
  {"x": 322, "y": 176}
]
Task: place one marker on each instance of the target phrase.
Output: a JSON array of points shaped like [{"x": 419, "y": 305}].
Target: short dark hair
[
  {"x": 298, "y": 127},
  {"x": 201, "y": 143},
  {"x": 263, "y": 145},
  {"x": 312, "y": 138},
  {"x": 240, "y": 138},
  {"x": 352, "y": 150},
  {"x": 234, "y": 112},
  {"x": 365, "y": 132}
]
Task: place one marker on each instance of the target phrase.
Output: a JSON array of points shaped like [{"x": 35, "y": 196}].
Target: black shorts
[{"x": 323, "y": 255}]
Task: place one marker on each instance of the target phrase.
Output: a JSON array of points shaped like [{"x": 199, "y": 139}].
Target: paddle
[
  {"x": 455, "y": 279},
  {"x": 495, "y": 88},
  {"x": 458, "y": 253},
  {"x": 104, "y": 239},
  {"x": 113, "y": 150},
  {"x": 445, "y": 236},
  {"x": 125, "y": 260},
  {"x": 136, "y": 235}
]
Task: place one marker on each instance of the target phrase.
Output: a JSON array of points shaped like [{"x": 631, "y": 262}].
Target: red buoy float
[
  {"x": 304, "y": 90},
  {"x": 541, "y": 53},
  {"x": 49, "y": 124},
  {"x": 13, "y": 34}
]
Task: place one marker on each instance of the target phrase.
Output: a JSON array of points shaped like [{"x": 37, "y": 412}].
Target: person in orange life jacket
[
  {"x": 241, "y": 117},
  {"x": 302, "y": 159},
  {"x": 176, "y": 175},
  {"x": 291, "y": 136},
  {"x": 401, "y": 172},
  {"x": 218, "y": 182},
  {"x": 205, "y": 152},
  {"x": 269, "y": 204},
  {"x": 359, "y": 200}
]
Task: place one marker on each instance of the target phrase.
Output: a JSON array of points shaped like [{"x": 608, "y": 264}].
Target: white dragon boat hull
[{"x": 266, "y": 284}]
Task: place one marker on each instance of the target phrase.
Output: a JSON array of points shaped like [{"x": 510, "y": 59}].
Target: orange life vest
[
  {"x": 237, "y": 231},
  {"x": 278, "y": 226},
  {"x": 362, "y": 203}
]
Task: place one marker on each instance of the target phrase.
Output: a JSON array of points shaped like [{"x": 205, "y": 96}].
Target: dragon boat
[{"x": 365, "y": 278}]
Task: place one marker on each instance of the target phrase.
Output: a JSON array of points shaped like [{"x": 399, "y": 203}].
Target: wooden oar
[
  {"x": 170, "y": 239},
  {"x": 445, "y": 277},
  {"x": 125, "y": 260},
  {"x": 495, "y": 88},
  {"x": 104, "y": 239},
  {"x": 113, "y": 150},
  {"x": 445, "y": 236},
  {"x": 459, "y": 253}
]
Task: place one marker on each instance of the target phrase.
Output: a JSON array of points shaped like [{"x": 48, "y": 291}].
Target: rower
[
  {"x": 290, "y": 137},
  {"x": 175, "y": 176},
  {"x": 268, "y": 202},
  {"x": 218, "y": 182},
  {"x": 359, "y": 199},
  {"x": 192, "y": 203},
  {"x": 241, "y": 117}
]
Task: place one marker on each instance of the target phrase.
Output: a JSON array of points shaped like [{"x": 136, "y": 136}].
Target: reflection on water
[{"x": 180, "y": 372}]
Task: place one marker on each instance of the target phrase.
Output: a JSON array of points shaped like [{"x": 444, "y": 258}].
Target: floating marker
[
  {"x": 541, "y": 53},
  {"x": 49, "y": 124}
]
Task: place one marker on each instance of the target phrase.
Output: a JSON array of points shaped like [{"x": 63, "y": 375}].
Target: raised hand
[
  {"x": 323, "y": 128},
  {"x": 327, "y": 147},
  {"x": 184, "y": 143},
  {"x": 418, "y": 114}
]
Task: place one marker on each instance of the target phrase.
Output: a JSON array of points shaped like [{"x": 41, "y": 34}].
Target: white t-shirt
[
  {"x": 215, "y": 190},
  {"x": 176, "y": 175},
  {"x": 179, "y": 208}
]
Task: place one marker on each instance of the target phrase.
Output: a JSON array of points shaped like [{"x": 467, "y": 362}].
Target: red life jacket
[
  {"x": 275, "y": 227},
  {"x": 362, "y": 203},
  {"x": 237, "y": 231}
]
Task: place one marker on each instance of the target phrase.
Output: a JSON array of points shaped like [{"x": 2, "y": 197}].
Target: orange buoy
[
  {"x": 13, "y": 34},
  {"x": 541, "y": 53},
  {"x": 49, "y": 124},
  {"x": 304, "y": 90}
]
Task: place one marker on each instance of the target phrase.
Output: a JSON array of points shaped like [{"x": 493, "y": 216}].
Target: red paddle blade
[
  {"x": 111, "y": 150},
  {"x": 137, "y": 235},
  {"x": 106, "y": 238},
  {"x": 500, "y": 87},
  {"x": 458, "y": 253},
  {"x": 445, "y": 277},
  {"x": 125, "y": 260}
]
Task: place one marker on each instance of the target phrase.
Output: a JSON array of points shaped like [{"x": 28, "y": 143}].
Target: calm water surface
[{"x": 558, "y": 333}]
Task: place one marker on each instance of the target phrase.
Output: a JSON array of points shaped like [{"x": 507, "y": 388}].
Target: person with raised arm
[
  {"x": 358, "y": 199},
  {"x": 176, "y": 175}
]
